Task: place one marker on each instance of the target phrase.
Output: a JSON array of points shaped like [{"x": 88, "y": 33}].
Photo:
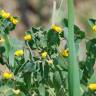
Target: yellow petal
[
  {"x": 5, "y": 14},
  {"x": 27, "y": 37},
  {"x": 13, "y": 20},
  {"x": 94, "y": 28},
  {"x": 44, "y": 55},
  {"x": 7, "y": 75},
  {"x": 92, "y": 86},
  {"x": 19, "y": 53},
  {"x": 65, "y": 53},
  {"x": 56, "y": 28}
]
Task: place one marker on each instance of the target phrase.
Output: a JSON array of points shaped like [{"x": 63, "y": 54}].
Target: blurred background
[{"x": 39, "y": 12}]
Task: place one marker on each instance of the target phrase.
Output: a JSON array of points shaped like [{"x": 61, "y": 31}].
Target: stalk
[
  {"x": 7, "y": 45},
  {"x": 73, "y": 70},
  {"x": 53, "y": 12}
]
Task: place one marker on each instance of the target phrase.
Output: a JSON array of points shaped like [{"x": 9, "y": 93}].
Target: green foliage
[{"x": 33, "y": 75}]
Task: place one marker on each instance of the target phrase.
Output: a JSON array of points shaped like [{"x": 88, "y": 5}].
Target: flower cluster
[{"x": 7, "y": 15}]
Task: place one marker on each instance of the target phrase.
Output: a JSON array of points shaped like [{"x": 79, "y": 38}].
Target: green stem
[
  {"x": 73, "y": 70},
  {"x": 7, "y": 45}
]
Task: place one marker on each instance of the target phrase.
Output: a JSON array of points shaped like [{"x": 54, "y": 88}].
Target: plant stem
[
  {"x": 54, "y": 12},
  {"x": 73, "y": 70},
  {"x": 7, "y": 45}
]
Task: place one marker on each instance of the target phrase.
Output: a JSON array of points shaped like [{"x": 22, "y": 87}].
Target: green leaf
[
  {"x": 34, "y": 29},
  {"x": 92, "y": 22},
  {"x": 53, "y": 38},
  {"x": 51, "y": 75},
  {"x": 90, "y": 46},
  {"x": 57, "y": 78},
  {"x": 51, "y": 91},
  {"x": 11, "y": 57},
  {"x": 79, "y": 34},
  {"x": 27, "y": 79},
  {"x": 2, "y": 49},
  {"x": 16, "y": 43},
  {"x": 62, "y": 62},
  {"x": 92, "y": 78},
  {"x": 29, "y": 67},
  {"x": 41, "y": 89}
]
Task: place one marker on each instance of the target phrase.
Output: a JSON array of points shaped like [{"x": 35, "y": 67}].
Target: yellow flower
[
  {"x": 92, "y": 86},
  {"x": 27, "y": 37},
  {"x": 16, "y": 91},
  {"x": 5, "y": 14},
  {"x": 56, "y": 28},
  {"x": 1, "y": 40},
  {"x": 65, "y": 53},
  {"x": 50, "y": 61},
  {"x": 94, "y": 28},
  {"x": 19, "y": 53},
  {"x": 8, "y": 15},
  {"x": 7, "y": 75},
  {"x": 44, "y": 55},
  {"x": 13, "y": 20}
]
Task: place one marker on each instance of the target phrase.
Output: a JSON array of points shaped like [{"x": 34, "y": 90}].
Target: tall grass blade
[{"x": 73, "y": 75}]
